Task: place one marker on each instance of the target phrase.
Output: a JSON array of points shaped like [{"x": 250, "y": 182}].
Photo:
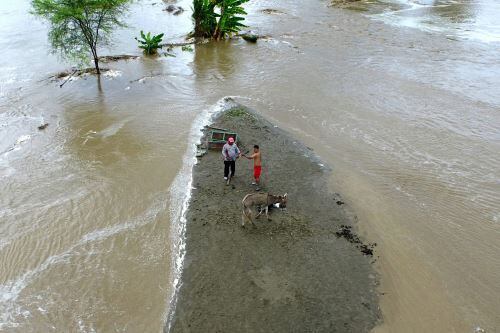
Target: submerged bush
[{"x": 150, "y": 44}]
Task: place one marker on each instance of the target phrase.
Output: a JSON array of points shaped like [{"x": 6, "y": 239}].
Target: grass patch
[
  {"x": 236, "y": 113},
  {"x": 241, "y": 113}
]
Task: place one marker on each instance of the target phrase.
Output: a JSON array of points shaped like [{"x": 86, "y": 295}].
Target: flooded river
[{"x": 401, "y": 98}]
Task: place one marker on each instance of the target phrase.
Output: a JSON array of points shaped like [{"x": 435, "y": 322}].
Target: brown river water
[{"x": 401, "y": 99}]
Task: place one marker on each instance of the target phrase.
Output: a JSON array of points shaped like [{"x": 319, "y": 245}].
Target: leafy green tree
[{"x": 79, "y": 27}]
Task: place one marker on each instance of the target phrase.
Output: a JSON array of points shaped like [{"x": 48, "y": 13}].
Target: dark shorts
[{"x": 227, "y": 166}]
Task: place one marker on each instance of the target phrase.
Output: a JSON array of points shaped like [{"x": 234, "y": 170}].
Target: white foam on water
[
  {"x": 483, "y": 32},
  {"x": 482, "y": 35},
  {"x": 83, "y": 328},
  {"x": 23, "y": 138},
  {"x": 5, "y": 171},
  {"x": 105, "y": 133},
  {"x": 113, "y": 129},
  {"x": 180, "y": 198},
  {"x": 11, "y": 308},
  {"x": 15, "y": 147},
  {"x": 112, "y": 73}
]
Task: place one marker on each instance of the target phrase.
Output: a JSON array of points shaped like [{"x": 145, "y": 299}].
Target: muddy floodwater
[{"x": 400, "y": 98}]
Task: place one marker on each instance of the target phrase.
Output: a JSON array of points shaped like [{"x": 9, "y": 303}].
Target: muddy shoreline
[{"x": 295, "y": 273}]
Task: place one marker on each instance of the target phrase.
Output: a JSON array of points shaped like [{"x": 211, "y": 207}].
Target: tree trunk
[
  {"x": 197, "y": 28},
  {"x": 96, "y": 63},
  {"x": 99, "y": 85},
  {"x": 217, "y": 33}
]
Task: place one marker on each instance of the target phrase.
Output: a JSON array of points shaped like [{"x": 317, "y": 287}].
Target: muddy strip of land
[{"x": 299, "y": 272}]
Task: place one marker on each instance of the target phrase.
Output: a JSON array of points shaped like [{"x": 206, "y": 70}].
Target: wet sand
[{"x": 295, "y": 273}]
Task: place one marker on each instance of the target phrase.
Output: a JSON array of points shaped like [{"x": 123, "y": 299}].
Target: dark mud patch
[
  {"x": 43, "y": 126},
  {"x": 345, "y": 231},
  {"x": 271, "y": 11},
  {"x": 77, "y": 73},
  {"x": 372, "y": 7},
  {"x": 353, "y": 5},
  {"x": 189, "y": 41},
  {"x": 290, "y": 274},
  {"x": 146, "y": 77},
  {"x": 114, "y": 58},
  {"x": 174, "y": 9},
  {"x": 341, "y": 3}
]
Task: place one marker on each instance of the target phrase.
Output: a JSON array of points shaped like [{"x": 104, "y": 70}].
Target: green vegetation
[
  {"x": 236, "y": 112},
  {"x": 187, "y": 48},
  {"x": 229, "y": 21},
  {"x": 239, "y": 112},
  {"x": 205, "y": 19},
  {"x": 79, "y": 27},
  {"x": 150, "y": 44},
  {"x": 217, "y": 18}
]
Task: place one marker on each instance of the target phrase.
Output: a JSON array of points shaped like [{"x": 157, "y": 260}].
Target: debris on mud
[
  {"x": 173, "y": 9},
  {"x": 112, "y": 58},
  {"x": 77, "y": 73},
  {"x": 345, "y": 231},
  {"x": 271, "y": 11},
  {"x": 43, "y": 126}
]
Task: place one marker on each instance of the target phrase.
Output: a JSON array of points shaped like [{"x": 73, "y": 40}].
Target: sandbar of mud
[{"x": 292, "y": 274}]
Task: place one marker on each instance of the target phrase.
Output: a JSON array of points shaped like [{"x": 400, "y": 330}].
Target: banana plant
[
  {"x": 150, "y": 44},
  {"x": 229, "y": 20},
  {"x": 217, "y": 18},
  {"x": 204, "y": 17}
]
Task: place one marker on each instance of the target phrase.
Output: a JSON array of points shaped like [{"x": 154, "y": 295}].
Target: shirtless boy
[{"x": 257, "y": 164}]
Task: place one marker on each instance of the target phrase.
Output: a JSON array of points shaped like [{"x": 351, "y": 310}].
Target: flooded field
[{"x": 400, "y": 98}]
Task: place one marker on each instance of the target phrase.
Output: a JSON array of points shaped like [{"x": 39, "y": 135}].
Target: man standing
[
  {"x": 230, "y": 153},
  {"x": 257, "y": 165}
]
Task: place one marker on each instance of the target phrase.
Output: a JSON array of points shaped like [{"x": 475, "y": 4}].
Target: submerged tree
[
  {"x": 217, "y": 18},
  {"x": 79, "y": 27}
]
